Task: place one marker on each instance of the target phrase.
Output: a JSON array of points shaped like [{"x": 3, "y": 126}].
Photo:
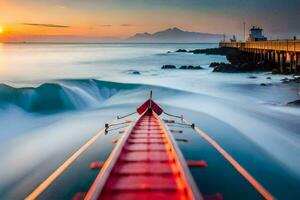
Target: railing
[{"x": 276, "y": 45}]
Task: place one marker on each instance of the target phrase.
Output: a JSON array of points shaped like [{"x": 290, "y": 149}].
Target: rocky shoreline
[
  {"x": 238, "y": 62},
  {"x": 183, "y": 67},
  {"x": 294, "y": 103}
]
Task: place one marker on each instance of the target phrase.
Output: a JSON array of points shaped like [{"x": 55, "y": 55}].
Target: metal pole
[
  {"x": 244, "y": 31},
  {"x": 150, "y": 99}
]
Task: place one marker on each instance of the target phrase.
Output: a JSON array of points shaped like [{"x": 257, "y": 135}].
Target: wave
[{"x": 61, "y": 95}]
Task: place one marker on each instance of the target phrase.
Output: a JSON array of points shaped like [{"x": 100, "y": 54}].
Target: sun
[{"x": 1, "y": 29}]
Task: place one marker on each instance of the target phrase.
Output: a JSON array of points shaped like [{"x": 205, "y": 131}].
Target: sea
[{"x": 54, "y": 97}]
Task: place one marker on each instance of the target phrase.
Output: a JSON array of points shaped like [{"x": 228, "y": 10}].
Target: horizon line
[{"x": 108, "y": 42}]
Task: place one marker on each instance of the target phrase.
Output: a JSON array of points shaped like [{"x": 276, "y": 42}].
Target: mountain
[
  {"x": 175, "y": 35},
  {"x": 172, "y": 35}
]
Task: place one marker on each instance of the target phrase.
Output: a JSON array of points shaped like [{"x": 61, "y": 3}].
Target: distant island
[
  {"x": 175, "y": 35},
  {"x": 171, "y": 35}
]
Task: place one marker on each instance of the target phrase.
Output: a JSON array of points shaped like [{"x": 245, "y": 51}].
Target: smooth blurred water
[
  {"x": 59, "y": 61},
  {"x": 250, "y": 121}
]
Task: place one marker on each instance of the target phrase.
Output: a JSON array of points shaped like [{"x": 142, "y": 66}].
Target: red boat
[{"x": 146, "y": 163}]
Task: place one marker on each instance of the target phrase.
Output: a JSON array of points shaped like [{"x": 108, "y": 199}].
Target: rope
[
  {"x": 114, "y": 129},
  {"x": 118, "y": 117},
  {"x": 179, "y": 126},
  {"x": 184, "y": 124},
  {"x": 259, "y": 188},
  {"x": 180, "y": 117},
  {"x": 176, "y": 116},
  {"x": 107, "y": 126},
  {"x": 120, "y": 123}
]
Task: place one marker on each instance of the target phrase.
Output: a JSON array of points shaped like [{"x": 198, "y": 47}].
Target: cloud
[
  {"x": 105, "y": 25},
  {"x": 61, "y": 7},
  {"x": 126, "y": 25},
  {"x": 46, "y": 25}
]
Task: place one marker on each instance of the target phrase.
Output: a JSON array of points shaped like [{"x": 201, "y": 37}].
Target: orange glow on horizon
[{"x": 22, "y": 32}]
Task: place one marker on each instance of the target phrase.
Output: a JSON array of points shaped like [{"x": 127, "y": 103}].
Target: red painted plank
[
  {"x": 145, "y": 195},
  {"x": 145, "y": 168},
  {"x": 200, "y": 163},
  {"x": 96, "y": 165}
]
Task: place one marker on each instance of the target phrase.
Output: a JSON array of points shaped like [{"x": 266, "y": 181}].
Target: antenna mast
[{"x": 244, "y": 23}]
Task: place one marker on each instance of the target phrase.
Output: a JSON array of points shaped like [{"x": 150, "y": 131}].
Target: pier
[{"x": 284, "y": 55}]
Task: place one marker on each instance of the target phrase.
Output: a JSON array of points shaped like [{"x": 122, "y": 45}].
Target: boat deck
[{"x": 145, "y": 168}]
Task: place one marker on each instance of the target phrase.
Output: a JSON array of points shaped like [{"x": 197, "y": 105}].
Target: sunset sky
[{"x": 23, "y": 20}]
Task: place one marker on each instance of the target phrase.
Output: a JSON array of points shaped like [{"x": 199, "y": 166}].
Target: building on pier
[{"x": 256, "y": 34}]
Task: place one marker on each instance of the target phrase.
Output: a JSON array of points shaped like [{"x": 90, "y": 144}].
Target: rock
[
  {"x": 292, "y": 80},
  {"x": 296, "y": 80},
  {"x": 294, "y": 103},
  {"x": 190, "y": 67},
  {"x": 214, "y": 64},
  {"x": 227, "y": 68},
  {"x": 269, "y": 78},
  {"x": 285, "y": 80},
  {"x": 276, "y": 71},
  {"x": 266, "y": 84},
  {"x": 168, "y": 67},
  {"x": 136, "y": 72},
  {"x": 214, "y": 51},
  {"x": 252, "y": 77},
  {"x": 181, "y": 51},
  {"x": 198, "y": 67},
  {"x": 187, "y": 67},
  {"x": 235, "y": 68},
  {"x": 247, "y": 66}
]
